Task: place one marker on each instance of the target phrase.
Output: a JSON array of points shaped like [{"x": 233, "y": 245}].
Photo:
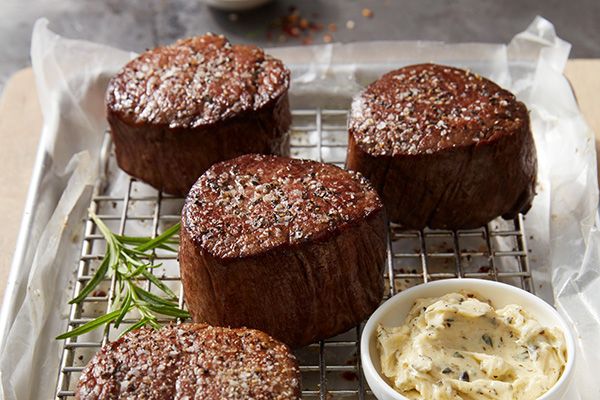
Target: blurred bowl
[
  {"x": 236, "y": 5},
  {"x": 394, "y": 311}
]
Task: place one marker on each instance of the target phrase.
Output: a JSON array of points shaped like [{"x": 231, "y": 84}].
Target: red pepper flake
[
  {"x": 316, "y": 26},
  {"x": 332, "y": 27},
  {"x": 293, "y": 31},
  {"x": 327, "y": 38},
  {"x": 307, "y": 40},
  {"x": 367, "y": 13},
  {"x": 295, "y": 25}
]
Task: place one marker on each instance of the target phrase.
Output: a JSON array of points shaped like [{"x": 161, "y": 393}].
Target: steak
[
  {"x": 445, "y": 148},
  {"x": 192, "y": 361},
  {"x": 176, "y": 110},
  {"x": 295, "y": 248}
]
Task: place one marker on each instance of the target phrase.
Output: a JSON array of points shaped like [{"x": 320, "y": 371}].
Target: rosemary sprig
[{"x": 129, "y": 258}]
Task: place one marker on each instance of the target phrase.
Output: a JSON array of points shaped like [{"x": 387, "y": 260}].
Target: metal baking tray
[{"x": 331, "y": 368}]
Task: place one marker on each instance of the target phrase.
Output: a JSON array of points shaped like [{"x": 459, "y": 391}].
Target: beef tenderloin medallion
[
  {"x": 176, "y": 110},
  {"x": 192, "y": 361},
  {"x": 444, "y": 147},
  {"x": 295, "y": 248}
]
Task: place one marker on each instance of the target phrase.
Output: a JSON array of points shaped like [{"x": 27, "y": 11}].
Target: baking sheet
[{"x": 72, "y": 75}]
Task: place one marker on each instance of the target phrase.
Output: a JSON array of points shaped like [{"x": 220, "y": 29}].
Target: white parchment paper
[{"x": 71, "y": 78}]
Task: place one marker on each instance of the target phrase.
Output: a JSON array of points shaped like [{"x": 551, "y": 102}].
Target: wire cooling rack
[{"x": 331, "y": 368}]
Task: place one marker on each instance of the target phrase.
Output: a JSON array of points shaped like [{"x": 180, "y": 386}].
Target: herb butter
[{"x": 459, "y": 347}]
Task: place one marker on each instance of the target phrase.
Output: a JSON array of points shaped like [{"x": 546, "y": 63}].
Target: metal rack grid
[{"x": 331, "y": 368}]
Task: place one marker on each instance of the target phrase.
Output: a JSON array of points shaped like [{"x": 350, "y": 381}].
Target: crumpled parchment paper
[{"x": 71, "y": 78}]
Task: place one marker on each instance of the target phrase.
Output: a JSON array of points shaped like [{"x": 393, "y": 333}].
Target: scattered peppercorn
[{"x": 487, "y": 340}]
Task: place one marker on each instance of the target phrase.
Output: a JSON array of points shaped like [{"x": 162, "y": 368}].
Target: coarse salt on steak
[
  {"x": 192, "y": 361},
  {"x": 444, "y": 147},
  {"x": 292, "y": 247},
  {"x": 176, "y": 110}
]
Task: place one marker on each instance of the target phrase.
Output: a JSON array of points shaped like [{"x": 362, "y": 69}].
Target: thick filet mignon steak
[
  {"x": 295, "y": 248},
  {"x": 444, "y": 147},
  {"x": 192, "y": 361},
  {"x": 176, "y": 110}
]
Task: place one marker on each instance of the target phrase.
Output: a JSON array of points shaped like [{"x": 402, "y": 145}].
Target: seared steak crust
[
  {"x": 192, "y": 361},
  {"x": 292, "y": 247},
  {"x": 445, "y": 148},
  {"x": 176, "y": 110}
]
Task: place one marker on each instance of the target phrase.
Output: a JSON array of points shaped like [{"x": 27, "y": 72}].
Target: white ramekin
[{"x": 394, "y": 311}]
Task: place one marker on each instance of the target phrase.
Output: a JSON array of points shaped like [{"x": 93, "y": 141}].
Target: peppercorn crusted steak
[
  {"x": 176, "y": 110},
  {"x": 293, "y": 247},
  {"x": 444, "y": 148},
  {"x": 192, "y": 361}
]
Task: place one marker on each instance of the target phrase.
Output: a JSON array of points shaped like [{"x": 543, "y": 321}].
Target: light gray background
[{"x": 140, "y": 24}]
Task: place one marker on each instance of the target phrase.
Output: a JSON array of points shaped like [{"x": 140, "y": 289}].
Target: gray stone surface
[{"x": 139, "y": 24}]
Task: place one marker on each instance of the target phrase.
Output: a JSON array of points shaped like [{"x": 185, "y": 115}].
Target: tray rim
[{"x": 19, "y": 273}]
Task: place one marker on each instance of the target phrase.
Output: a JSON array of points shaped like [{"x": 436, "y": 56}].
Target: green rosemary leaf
[
  {"x": 112, "y": 247},
  {"x": 135, "y": 326},
  {"x": 92, "y": 283},
  {"x": 128, "y": 258},
  {"x": 121, "y": 269},
  {"x": 162, "y": 238},
  {"x": 118, "y": 293},
  {"x": 132, "y": 261},
  {"x": 130, "y": 239},
  {"x": 171, "y": 311},
  {"x": 166, "y": 247},
  {"x": 153, "y": 323},
  {"x": 140, "y": 239},
  {"x": 90, "y": 326},
  {"x": 158, "y": 283},
  {"x": 125, "y": 307},
  {"x": 142, "y": 267},
  {"x": 151, "y": 298}
]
